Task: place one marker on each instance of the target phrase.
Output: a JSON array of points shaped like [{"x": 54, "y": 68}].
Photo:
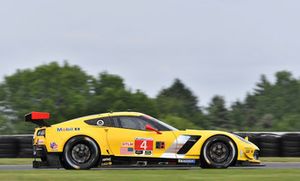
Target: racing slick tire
[
  {"x": 8, "y": 147},
  {"x": 218, "y": 152},
  {"x": 25, "y": 146},
  {"x": 290, "y": 145},
  {"x": 80, "y": 152},
  {"x": 270, "y": 145}
]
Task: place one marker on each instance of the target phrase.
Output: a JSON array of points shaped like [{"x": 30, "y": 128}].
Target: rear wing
[{"x": 38, "y": 118}]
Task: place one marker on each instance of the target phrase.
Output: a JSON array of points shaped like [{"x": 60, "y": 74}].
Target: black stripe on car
[{"x": 188, "y": 145}]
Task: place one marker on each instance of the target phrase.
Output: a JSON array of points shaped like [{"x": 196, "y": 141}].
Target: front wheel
[
  {"x": 218, "y": 152},
  {"x": 80, "y": 153}
]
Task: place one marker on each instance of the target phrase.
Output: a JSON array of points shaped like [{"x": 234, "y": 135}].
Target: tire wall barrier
[
  {"x": 16, "y": 146},
  {"x": 270, "y": 144}
]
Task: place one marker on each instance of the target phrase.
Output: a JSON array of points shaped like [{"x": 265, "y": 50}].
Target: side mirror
[{"x": 150, "y": 128}]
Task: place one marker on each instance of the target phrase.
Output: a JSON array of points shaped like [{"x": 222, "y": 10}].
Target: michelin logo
[
  {"x": 186, "y": 161},
  {"x": 67, "y": 129}
]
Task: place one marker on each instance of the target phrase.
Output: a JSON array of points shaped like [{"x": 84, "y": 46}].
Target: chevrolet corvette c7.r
[{"x": 134, "y": 139}]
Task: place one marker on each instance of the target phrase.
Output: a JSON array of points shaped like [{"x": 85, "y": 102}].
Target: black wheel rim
[
  {"x": 81, "y": 153},
  {"x": 219, "y": 152}
]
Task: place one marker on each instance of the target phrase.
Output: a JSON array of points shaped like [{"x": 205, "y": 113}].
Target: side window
[
  {"x": 155, "y": 124},
  {"x": 131, "y": 122},
  {"x": 100, "y": 122}
]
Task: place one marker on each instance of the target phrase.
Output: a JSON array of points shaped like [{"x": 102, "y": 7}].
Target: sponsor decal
[
  {"x": 139, "y": 152},
  {"x": 39, "y": 142},
  {"x": 100, "y": 122},
  {"x": 186, "y": 161},
  {"x": 53, "y": 146},
  {"x": 160, "y": 145},
  {"x": 241, "y": 153},
  {"x": 107, "y": 159},
  {"x": 67, "y": 129},
  {"x": 127, "y": 144},
  {"x": 148, "y": 152},
  {"x": 126, "y": 151},
  {"x": 106, "y": 163},
  {"x": 141, "y": 144}
]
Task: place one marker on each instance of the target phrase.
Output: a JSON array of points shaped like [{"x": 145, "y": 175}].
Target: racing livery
[{"x": 135, "y": 139}]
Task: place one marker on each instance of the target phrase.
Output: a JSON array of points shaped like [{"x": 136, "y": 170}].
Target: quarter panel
[{"x": 60, "y": 134}]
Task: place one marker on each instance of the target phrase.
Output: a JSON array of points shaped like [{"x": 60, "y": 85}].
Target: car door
[{"x": 130, "y": 138}]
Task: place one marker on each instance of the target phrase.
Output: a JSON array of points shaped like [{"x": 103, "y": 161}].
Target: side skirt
[{"x": 147, "y": 162}]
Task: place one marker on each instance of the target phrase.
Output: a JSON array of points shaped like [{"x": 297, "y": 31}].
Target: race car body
[{"x": 133, "y": 138}]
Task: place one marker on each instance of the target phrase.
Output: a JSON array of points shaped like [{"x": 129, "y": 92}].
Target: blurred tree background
[{"x": 67, "y": 92}]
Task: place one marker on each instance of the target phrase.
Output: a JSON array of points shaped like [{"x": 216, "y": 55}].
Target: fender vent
[{"x": 189, "y": 144}]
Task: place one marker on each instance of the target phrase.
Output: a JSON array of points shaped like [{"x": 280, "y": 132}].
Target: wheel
[
  {"x": 80, "y": 152},
  {"x": 218, "y": 152}
]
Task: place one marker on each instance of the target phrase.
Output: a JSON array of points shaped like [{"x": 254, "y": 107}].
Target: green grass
[
  {"x": 235, "y": 174},
  {"x": 150, "y": 175},
  {"x": 280, "y": 159},
  {"x": 16, "y": 161}
]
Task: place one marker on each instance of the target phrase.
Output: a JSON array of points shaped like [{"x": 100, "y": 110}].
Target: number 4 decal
[{"x": 143, "y": 144}]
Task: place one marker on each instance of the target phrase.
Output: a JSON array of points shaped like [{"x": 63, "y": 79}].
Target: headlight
[{"x": 41, "y": 132}]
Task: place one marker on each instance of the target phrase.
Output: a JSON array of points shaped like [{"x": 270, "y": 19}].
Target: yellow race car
[{"x": 133, "y": 139}]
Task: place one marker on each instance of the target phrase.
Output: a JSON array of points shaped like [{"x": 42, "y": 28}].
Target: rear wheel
[
  {"x": 218, "y": 152},
  {"x": 80, "y": 153}
]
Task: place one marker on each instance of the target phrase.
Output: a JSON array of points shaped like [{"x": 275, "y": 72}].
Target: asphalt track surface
[{"x": 267, "y": 165}]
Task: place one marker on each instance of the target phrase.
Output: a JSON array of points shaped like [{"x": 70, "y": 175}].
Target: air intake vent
[{"x": 188, "y": 145}]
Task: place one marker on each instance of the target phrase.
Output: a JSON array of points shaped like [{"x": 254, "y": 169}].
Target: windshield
[{"x": 169, "y": 127}]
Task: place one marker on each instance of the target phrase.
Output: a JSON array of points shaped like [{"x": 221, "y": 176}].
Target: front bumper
[
  {"x": 248, "y": 164},
  {"x": 256, "y": 155},
  {"x": 253, "y": 157},
  {"x": 252, "y": 160}
]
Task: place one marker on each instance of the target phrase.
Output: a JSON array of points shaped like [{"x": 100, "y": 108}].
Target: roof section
[
  {"x": 121, "y": 114},
  {"x": 80, "y": 119}
]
